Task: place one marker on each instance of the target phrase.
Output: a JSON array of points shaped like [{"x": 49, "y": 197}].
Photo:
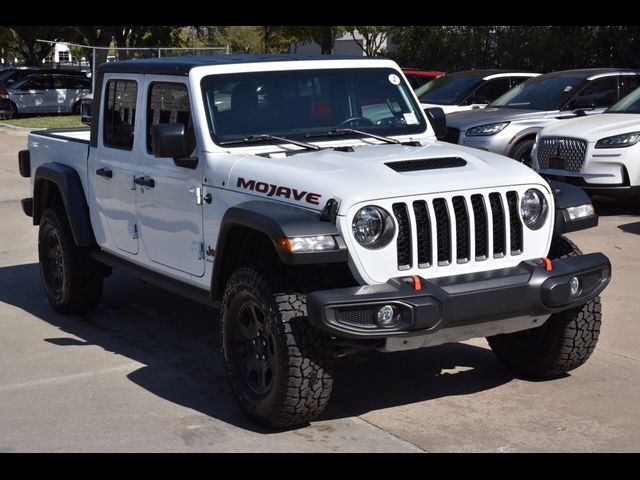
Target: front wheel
[
  {"x": 522, "y": 152},
  {"x": 279, "y": 366},
  {"x": 564, "y": 342}
]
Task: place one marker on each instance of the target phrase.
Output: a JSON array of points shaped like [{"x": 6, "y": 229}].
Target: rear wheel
[
  {"x": 72, "y": 280},
  {"x": 279, "y": 366},
  {"x": 522, "y": 152},
  {"x": 76, "y": 108},
  {"x": 564, "y": 342}
]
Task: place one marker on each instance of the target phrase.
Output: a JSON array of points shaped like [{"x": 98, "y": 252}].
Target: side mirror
[
  {"x": 438, "y": 121},
  {"x": 169, "y": 140}
]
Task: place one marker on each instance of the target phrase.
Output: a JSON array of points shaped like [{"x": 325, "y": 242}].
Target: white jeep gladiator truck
[{"x": 310, "y": 198}]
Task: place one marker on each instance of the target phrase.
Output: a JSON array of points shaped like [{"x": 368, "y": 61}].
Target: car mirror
[
  {"x": 438, "y": 121},
  {"x": 169, "y": 140}
]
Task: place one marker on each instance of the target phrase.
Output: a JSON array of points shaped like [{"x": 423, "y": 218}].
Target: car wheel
[
  {"x": 72, "y": 280},
  {"x": 564, "y": 342},
  {"x": 522, "y": 152},
  {"x": 279, "y": 366},
  {"x": 76, "y": 108}
]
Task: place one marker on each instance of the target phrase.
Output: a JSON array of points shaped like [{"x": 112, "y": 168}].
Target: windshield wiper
[
  {"x": 336, "y": 132},
  {"x": 266, "y": 138}
]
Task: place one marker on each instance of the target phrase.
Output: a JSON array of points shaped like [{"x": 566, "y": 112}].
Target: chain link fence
[{"x": 89, "y": 57}]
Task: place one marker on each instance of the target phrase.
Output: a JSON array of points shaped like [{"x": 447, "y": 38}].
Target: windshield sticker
[
  {"x": 568, "y": 88},
  {"x": 411, "y": 119},
  {"x": 394, "y": 79}
]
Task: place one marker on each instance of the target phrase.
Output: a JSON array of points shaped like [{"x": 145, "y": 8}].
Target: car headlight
[
  {"x": 373, "y": 227},
  {"x": 485, "y": 130},
  {"x": 618, "y": 141},
  {"x": 533, "y": 209}
]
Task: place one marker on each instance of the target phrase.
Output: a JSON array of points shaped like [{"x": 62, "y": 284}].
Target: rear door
[
  {"x": 34, "y": 95},
  {"x": 112, "y": 167}
]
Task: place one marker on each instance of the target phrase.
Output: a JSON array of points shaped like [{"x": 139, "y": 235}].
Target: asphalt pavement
[{"x": 144, "y": 372}]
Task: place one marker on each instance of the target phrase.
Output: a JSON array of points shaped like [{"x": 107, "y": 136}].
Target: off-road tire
[
  {"x": 72, "y": 280},
  {"x": 301, "y": 357},
  {"x": 564, "y": 342},
  {"x": 522, "y": 152}
]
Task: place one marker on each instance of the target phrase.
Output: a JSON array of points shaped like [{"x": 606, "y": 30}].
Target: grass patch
[{"x": 54, "y": 121}]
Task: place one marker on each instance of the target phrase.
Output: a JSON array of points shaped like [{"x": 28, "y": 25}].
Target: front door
[
  {"x": 169, "y": 198},
  {"x": 111, "y": 174}
]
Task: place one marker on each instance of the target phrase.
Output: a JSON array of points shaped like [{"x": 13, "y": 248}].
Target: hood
[
  {"x": 474, "y": 118},
  {"x": 594, "y": 127},
  {"x": 309, "y": 179}
]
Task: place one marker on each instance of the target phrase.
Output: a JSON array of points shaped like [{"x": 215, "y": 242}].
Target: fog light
[
  {"x": 574, "y": 285},
  {"x": 388, "y": 317}
]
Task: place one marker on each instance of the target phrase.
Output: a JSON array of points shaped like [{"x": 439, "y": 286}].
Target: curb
[{"x": 16, "y": 130}]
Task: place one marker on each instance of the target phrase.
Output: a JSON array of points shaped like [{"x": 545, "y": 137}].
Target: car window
[
  {"x": 515, "y": 81},
  {"x": 628, "y": 83},
  {"x": 488, "y": 92},
  {"x": 540, "y": 93},
  {"x": 169, "y": 103},
  {"x": 599, "y": 93},
  {"x": 72, "y": 83},
  {"x": 38, "y": 83},
  {"x": 120, "y": 113},
  {"x": 629, "y": 104}
]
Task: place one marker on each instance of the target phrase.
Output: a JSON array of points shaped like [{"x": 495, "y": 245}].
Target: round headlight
[
  {"x": 372, "y": 227},
  {"x": 533, "y": 209}
]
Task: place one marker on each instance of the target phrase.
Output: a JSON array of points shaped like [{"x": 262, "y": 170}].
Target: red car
[{"x": 417, "y": 78}]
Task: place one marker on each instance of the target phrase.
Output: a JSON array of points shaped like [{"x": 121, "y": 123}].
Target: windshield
[
  {"x": 629, "y": 104},
  {"x": 448, "y": 90},
  {"x": 297, "y": 103},
  {"x": 540, "y": 93}
]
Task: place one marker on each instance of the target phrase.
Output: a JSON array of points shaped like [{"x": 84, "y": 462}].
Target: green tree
[
  {"x": 24, "y": 41},
  {"x": 374, "y": 38}
]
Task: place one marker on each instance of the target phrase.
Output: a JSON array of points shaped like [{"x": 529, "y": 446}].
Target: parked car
[
  {"x": 319, "y": 226},
  {"x": 11, "y": 75},
  {"x": 509, "y": 125},
  {"x": 48, "y": 93},
  {"x": 418, "y": 78},
  {"x": 469, "y": 90},
  {"x": 599, "y": 153}
]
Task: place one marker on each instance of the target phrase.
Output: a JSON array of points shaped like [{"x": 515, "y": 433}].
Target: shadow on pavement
[
  {"x": 608, "y": 206},
  {"x": 178, "y": 342},
  {"x": 633, "y": 227}
]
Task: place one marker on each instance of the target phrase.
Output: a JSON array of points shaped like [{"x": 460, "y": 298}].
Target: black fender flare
[
  {"x": 73, "y": 198},
  {"x": 276, "y": 220},
  {"x": 565, "y": 196}
]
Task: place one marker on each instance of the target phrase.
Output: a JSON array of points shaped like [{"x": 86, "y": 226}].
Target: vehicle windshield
[
  {"x": 296, "y": 103},
  {"x": 540, "y": 93},
  {"x": 629, "y": 104},
  {"x": 447, "y": 90}
]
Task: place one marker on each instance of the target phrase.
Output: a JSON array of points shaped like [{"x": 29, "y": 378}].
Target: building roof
[{"x": 182, "y": 65}]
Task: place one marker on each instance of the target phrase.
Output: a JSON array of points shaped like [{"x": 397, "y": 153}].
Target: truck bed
[{"x": 68, "y": 146}]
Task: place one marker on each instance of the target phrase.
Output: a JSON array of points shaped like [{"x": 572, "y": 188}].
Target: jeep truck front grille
[{"x": 458, "y": 230}]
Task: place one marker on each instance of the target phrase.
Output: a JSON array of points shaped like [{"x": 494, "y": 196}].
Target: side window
[
  {"x": 488, "y": 92},
  {"x": 515, "y": 81},
  {"x": 169, "y": 103},
  {"x": 600, "y": 93},
  {"x": 628, "y": 83},
  {"x": 120, "y": 113},
  {"x": 38, "y": 83}
]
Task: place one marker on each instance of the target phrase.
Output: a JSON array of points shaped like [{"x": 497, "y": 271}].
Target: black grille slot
[
  {"x": 453, "y": 134},
  {"x": 497, "y": 211},
  {"x": 423, "y": 227},
  {"x": 361, "y": 317},
  {"x": 426, "y": 164},
  {"x": 514, "y": 223},
  {"x": 462, "y": 229},
  {"x": 403, "y": 241},
  {"x": 443, "y": 231},
  {"x": 480, "y": 223}
]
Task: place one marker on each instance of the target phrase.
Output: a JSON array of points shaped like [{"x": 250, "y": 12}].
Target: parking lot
[{"x": 144, "y": 372}]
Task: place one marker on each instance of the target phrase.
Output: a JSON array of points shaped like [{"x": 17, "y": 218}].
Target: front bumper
[{"x": 492, "y": 298}]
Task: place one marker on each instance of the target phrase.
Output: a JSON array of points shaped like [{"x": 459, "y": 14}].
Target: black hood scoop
[{"x": 426, "y": 164}]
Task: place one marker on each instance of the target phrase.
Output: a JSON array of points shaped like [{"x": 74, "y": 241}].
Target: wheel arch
[
  {"x": 248, "y": 232},
  {"x": 53, "y": 181}
]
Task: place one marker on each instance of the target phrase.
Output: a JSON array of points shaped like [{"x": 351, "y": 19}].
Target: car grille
[
  {"x": 453, "y": 135},
  {"x": 561, "y": 153},
  {"x": 458, "y": 230}
]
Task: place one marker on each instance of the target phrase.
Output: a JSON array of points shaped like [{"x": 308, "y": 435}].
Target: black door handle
[
  {"x": 145, "y": 182},
  {"x": 104, "y": 172}
]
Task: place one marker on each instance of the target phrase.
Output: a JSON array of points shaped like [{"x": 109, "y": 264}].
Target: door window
[
  {"x": 169, "y": 103},
  {"x": 120, "y": 113},
  {"x": 601, "y": 93},
  {"x": 488, "y": 92}
]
